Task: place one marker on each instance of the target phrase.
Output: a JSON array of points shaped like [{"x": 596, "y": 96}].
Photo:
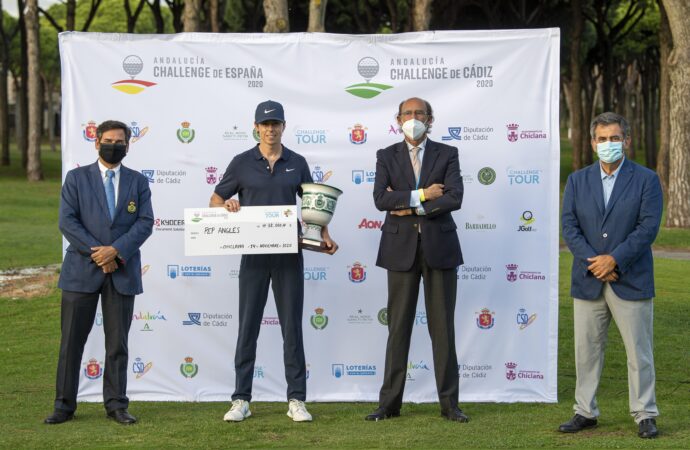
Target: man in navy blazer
[
  {"x": 418, "y": 184},
  {"x": 105, "y": 215},
  {"x": 611, "y": 216}
]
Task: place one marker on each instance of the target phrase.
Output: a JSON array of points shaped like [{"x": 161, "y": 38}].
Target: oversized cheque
[{"x": 251, "y": 230}]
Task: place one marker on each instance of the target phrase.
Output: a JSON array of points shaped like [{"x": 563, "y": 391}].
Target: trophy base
[{"x": 312, "y": 244}]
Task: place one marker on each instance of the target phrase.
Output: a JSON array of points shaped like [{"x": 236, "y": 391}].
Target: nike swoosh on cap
[{"x": 266, "y": 111}]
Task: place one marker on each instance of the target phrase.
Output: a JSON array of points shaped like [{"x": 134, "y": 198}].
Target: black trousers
[
  {"x": 77, "y": 317},
  {"x": 440, "y": 288},
  {"x": 285, "y": 273}
]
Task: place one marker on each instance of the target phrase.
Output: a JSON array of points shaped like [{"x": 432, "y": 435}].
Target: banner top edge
[{"x": 270, "y": 38}]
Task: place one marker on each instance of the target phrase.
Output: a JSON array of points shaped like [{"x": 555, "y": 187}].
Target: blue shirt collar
[{"x": 604, "y": 175}]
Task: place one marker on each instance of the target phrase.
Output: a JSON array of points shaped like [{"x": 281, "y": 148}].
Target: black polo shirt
[{"x": 249, "y": 175}]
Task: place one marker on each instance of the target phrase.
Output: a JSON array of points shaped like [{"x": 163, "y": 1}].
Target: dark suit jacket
[
  {"x": 625, "y": 229},
  {"x": 85, "y": 223},
  {"x": 399, "y": 235}
]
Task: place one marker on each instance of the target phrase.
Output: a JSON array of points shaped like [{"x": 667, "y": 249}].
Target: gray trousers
[{"x": 634, "y": 319}]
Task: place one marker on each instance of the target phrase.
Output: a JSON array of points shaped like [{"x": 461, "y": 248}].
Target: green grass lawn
[
  {"x": 29, "y": 337},
  {"x": 29, "y": 234}
]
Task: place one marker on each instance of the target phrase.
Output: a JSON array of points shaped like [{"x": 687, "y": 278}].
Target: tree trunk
[
  {"x": 33, "y": 169},
  {"x": 4, "y": 100},
  {"x": 155, "y": 6},
  {"x": 421, "y": 15},
  {"x": 133, "y": 16},
  {"x": 678, "y": 209},
  {"x": 22, "y": 112},
  {"x": 277, "y": 20},
  {"x": 665, "y": 45},
  {"x": 215, "y": 15},
  {"x": 71, "y": 14},
  {"x": 317, "y": 16},
  {"x": 649, "y": 109},
  {"x": 576, "y": 133},
  {"x": 192, "y": 16},
  {"x": 50, "y": 103}
]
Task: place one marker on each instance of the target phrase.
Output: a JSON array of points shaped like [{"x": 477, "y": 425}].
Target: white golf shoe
[
  {"x": 297, "y": 411},
  {"x": 238, "y": 412}
]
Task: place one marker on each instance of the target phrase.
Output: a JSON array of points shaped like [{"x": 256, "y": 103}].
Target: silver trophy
[{"x": 318, "y": 206}]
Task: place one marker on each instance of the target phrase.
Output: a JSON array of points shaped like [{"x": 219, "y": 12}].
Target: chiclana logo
[{"x": 526, "y": 134}]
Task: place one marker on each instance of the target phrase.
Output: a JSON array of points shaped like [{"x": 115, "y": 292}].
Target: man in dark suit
[
  {"x": 611, "y": 215},
  {"x": 418, "y": 183},
  {"x": 105, "y": 215}
]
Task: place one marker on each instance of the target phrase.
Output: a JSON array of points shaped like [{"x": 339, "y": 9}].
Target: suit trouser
[
  {"x": 634, "y": 319},
  {"x": 285, "y": 273},
  {"x": 440, "y": 288},
  {"x": 77, "y": 316}
]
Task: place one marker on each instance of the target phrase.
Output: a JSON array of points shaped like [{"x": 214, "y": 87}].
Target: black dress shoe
[
  {"x": 381, "y": 414},
  {"x": 455, "y": 414},
  {"x": 577, "y": 423},
  {"x": 648, "y": 429},
  {"x": 122, "y": 416},
  {"x": 58, "y": 417}
]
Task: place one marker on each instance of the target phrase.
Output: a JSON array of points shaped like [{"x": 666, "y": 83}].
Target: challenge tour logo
[
  {"x": 368, "y": 68},
  {"x": 132, "y": 65}
]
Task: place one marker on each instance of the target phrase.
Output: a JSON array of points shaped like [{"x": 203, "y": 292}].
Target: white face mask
[
  {"x": 414, "y": 129},
  {"x": 610, "y": 152}
]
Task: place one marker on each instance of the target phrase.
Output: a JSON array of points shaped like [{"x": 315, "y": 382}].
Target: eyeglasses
[
  {"x": 614, "y": 138},
  {"x": 417, "y": 113}
]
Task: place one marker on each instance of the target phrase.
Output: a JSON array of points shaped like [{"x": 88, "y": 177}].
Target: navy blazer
[
  {"x": 625, "y": 229},
  {"x": 399, "y": 234},
  {"x": 85, "y": 222}
]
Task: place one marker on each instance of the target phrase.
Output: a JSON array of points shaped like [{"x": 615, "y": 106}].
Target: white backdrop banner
[{"x": 189, "y": 100}]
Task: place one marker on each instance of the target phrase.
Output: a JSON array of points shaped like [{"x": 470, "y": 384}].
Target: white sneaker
[
  {"x": 297, "y": 411},
  {"x": 238, "y": 412}
]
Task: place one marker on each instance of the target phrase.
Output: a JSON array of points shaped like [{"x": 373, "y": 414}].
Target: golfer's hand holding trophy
[{"x": 318, "y": 206}]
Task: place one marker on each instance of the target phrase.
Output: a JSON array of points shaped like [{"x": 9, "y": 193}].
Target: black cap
[{"x": 269, "y": 110}]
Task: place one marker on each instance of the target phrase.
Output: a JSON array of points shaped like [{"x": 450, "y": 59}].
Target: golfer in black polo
[{"x": 268, "y": 174}]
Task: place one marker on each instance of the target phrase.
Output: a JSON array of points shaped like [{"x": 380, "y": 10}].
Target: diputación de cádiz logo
[
  {"x": 132, "y": 65},
  {"x": 368, "y": 68}
]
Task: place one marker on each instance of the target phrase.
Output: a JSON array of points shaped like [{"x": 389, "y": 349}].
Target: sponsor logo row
[
  {"x": 93, "y": 370},
  {"x": 357, "y": 272},
  {"x": 484, "y": 319},
  {"x": 213, "y": 175},
  {"x": 525, "y": 223},
  {"x": 357, "y": 134}
]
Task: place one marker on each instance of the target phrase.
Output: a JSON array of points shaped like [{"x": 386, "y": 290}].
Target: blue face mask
[{"x": 610, "y": 152}]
